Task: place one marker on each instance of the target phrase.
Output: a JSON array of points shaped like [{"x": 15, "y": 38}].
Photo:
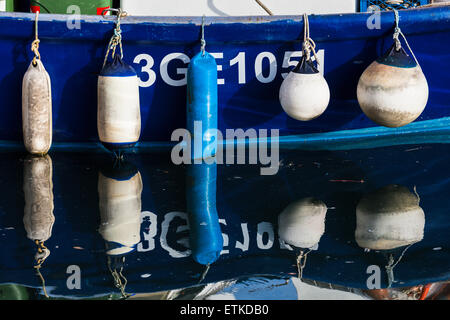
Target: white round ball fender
[
  {"x": 389, "y": 218},
  {"x": 302, "y": 223},
  {"x": 304, "y": 94},
  {"x": 393, "y": 90}
]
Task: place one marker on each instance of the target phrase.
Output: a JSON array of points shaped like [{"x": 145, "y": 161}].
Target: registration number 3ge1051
[{"x": 264, "y": 68}]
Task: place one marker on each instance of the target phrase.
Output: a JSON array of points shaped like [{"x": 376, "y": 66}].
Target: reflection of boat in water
[
  {"x": 248, "y": 206},
  {"x": 388, "y": 219},
  {"x": 120, "y": 189}
]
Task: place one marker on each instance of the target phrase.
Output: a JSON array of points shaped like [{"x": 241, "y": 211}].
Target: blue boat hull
[
  {"x": 248, "y": 214},
  {"x": 252, "y": 54}
]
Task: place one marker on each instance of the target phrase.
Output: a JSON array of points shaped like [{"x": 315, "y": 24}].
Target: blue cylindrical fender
[
  {"x": 202, "y": 104},
  {"x": 205, "y": 235},
  {"x": 118, "y": 114}
]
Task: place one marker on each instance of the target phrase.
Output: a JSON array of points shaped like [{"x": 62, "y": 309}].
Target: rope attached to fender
[
  {"x": 35, "y": 43},
  {"x": 397, "y": 33},
  {"x": 308, "y": 43},
  {"x": 116, "y": 39}
]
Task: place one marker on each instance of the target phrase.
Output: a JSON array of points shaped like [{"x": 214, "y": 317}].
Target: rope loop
[
  {"x": 308, "y": 45},
  {"x": 116, "y": 39}
]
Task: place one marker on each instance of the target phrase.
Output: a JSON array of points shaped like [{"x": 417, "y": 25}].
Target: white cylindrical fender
[
  {"x": 120, "y": 211},
  {"x": 37, "y": 109},
  {"x": 38, "y": 191},
  {"x": 304, "y": 94},
  {"x": 393, "y": 90},
  {"x": 302, "y": 223},
  {"x": 118, "y": 115},
  {"x": 389, "y": 218}
]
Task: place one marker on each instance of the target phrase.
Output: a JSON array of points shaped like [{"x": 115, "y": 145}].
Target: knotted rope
[
  {"x": 119, "y": 279},
  {"x": 35, "y": 43},
  {"x": 116, "y": 39},
  {"x": 308, "y": 43},
  {"x": 397, "y": 33},
  {"x": 40, "y": 257}
]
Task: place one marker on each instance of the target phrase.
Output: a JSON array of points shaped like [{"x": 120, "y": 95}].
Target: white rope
[
  {"x": 203, "y": 41},
  {"x": 308, "y": 43},
  {"x": 398, "y": 32}
]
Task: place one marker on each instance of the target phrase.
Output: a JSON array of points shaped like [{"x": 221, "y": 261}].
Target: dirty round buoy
[{"x": 393, "y": 90}]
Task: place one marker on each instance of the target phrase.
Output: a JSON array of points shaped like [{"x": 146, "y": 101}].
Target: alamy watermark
[
  {"x": 374, "y": 280},
  {"x": 374, "y": 20},
  {"x": 210, "y": 147}
]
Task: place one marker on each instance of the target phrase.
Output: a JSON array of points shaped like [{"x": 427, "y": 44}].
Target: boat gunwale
[
  {"x": 327, "y": 27},
  {"x": 197, "y": 20}
]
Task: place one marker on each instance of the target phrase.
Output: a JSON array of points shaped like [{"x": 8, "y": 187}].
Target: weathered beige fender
[
  {"x": 38, "y": 191},
  {"x": 120, "y": 211},
  {"x": 118, "y": 115},
  {"x": 37, "y": 109},
  {"x": 302, "y": 223},
  {"x": 389, "y": 218},
  {"x": 392, "y": 96}
]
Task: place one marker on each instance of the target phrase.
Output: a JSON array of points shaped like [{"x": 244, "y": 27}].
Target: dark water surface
[{"x": 129, "y": 221}]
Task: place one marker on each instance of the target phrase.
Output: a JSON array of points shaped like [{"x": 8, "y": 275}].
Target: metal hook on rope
[
  {"x": 35, "y": 43},
  {"x": 308, "y": 43},
  {"x": 397, "y": 33},
  {"x": 203, "y": 41},
  {"x": 116, "y": 39}
]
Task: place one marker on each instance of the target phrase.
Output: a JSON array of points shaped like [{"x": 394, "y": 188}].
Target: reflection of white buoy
[
  {"x": 37, "y": 104},
  {"x": 118, "y": 116},
  {"x": 393, "y": 90},
  {"x": 301, "y": 225},
  {"x": 119, "y": 189},
  {"x": 38, "y": 216},
  {"x": 389, "y": 218},
  {"x": 304, "y": 94},
  {"x": 119, "y": 192}
]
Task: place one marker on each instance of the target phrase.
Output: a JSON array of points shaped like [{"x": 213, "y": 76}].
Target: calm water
[{"x": 121, "y": 230}]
